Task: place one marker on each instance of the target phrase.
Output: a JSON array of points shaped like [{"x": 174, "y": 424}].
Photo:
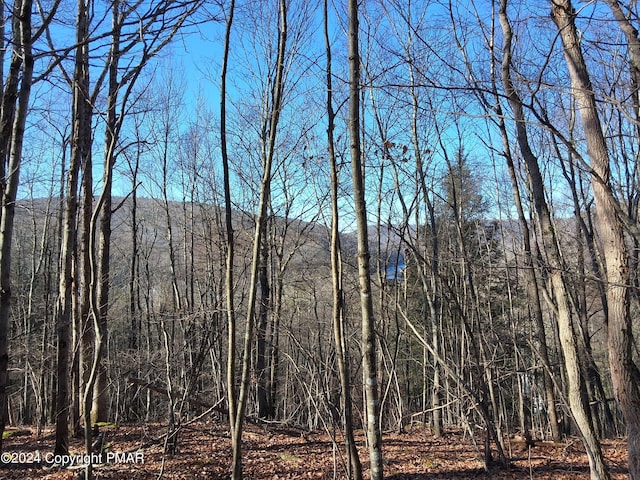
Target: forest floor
[{"x": 136, "y": 452}]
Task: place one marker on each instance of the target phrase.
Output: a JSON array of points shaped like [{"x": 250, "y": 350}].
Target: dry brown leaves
[{"x": 136, "y": 452}]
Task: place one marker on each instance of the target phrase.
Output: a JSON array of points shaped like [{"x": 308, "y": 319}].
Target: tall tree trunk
[
  {"x": 633, "y": 175},
  {"x": 354, "y": 465},
  {"x": 633, "y": 42},
  {"x": 535, "y": 304},
  {"x": 83, "y": 319},
  {"x": 430, "y": 280},
  {"x": 529, "y": 264},
  {"x": 577, "y": 400},
  {"x": 261, "y": 219},
  {"x": 625, "y": 374},
  {"x": 81, "y": 117},
  {"x": 92, "y": 364},
  {"x": 22, "y": 56},
  {"x": 374, "y": 435},
  {"x": 601, "y": 411},
  {"x": 99, "y": 410},
  {"x": 229, "y": 240},
  {"x": 64, "y": 308}
]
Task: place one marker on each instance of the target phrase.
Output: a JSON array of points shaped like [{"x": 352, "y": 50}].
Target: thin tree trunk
[
  {"x": 586, "y": 234},
  {"x": 134, "y": 274},
  {"x": 81, "y": 116},
  {"x": 83, "y": 319},
  {"x": 430, "y": 283},
  {"x": 229, "y": 240},
  {"x": 633, "y": 43},
  {"x": 354, "y": 465},
  {"x": 262, "y": 376},
  {"x": 64, "y": 309},
  {"x": 265, "y": 193},
  {"x": 99, "y": 409},
  {"x": 94, "y": 316},
  {"x": 374, "y": 435}
]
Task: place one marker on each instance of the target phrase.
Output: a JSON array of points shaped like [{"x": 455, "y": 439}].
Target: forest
[{"x": 326, "y": 237}]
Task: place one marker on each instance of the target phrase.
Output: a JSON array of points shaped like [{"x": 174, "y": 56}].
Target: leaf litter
[{"x": 273, "y": 453}]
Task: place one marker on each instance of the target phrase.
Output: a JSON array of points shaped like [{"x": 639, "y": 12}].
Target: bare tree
[
  {"x": 80, "y": 149},
  {"x": 229, "y": 237},
  {"x": 624, "y": 371},
  {"x": 566, "y": 325},
  {"x": 339, "y": 324},
  {"x": 529, "y": 261},
  {"x": 374, "y": 435},
  {"x": 13, "y": 115},
  {"x": 261, "y": 219}
]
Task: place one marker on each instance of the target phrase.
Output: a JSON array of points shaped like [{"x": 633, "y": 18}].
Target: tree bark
[
  {"x": 229, "y": 240},
  {"x": 262, "y": 372},
  {"x": 99, "y": 410},
  {"x": 261, "y": 219},
  {"x": 374, "y": 435},
  {"x": 81, "y": 116},
  {"x": 576, "y": 397},
  {"x": 625, "y": 374},
  {"x": 354, "y": 465},
  {"x": 22, "y": 58},
  {"x": 633, "y": 43},
  {"x": 529, "y": 263}
]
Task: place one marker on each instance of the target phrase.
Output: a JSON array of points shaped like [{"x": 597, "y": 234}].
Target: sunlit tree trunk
[
  {"x": 353, "y": 459},
  {"x": 600, "y": 409},
  {"x": 374, "y": 435},
  {"x": 99, "y": 410},
  {"x": 630, "y": 31},
  {"x": 633, "y": 43},
  {"x": 80, "y": 149},
  {"x": 264, "y": 309},
  {"x": 261, "y": 219},
  {"x": 625, "y": 374},
  {"x": 566, "y": 327},
  {"x": 229, "y": 240},
  {"x": 529, "y": 264},
  {"x": 83, "y": 320}
]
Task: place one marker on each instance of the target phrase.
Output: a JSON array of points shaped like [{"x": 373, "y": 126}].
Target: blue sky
[{"x": 194, "y": 59}]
